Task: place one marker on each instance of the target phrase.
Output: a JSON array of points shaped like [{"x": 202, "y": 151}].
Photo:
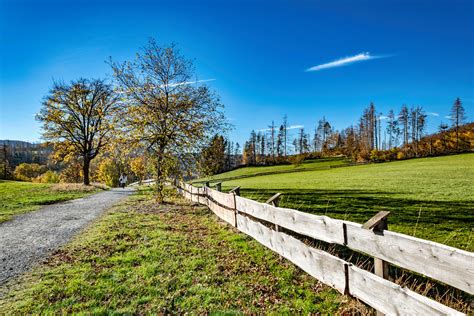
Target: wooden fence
[{"x": 449, "y": 265}]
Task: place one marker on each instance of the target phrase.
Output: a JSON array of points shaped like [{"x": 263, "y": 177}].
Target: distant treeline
[
  {"x": 14, "y": 153},
  {"x": 376, "y": 137}
]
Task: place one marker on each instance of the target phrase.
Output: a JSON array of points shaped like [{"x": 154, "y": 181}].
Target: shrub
[
  {"x": 48, "y": 177},
  {"x": 138, "y": 165},
  {"x": 78, "y": 187},
  {"x": 72, "y": 173},
  {"x": 100, "y": 186},
  {"x": 375, "y": 155},
  {"x": 107, "y": 172},
  {"x": 29, "y": 171},
  {"x": 297, "y": 160},
  {"x": 401, "y": 155}
]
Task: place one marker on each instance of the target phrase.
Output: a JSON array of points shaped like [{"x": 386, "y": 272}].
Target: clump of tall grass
[{"x": 78, "y": 187}]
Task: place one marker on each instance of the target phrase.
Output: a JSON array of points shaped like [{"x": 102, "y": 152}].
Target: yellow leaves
[
  {"x": 138, "y": 165},
  {"x": 107, "y": 172}
]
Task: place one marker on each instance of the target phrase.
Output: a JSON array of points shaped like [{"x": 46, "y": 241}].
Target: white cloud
[
  {"x": 345, "y": 61},
  {"x": 295, "y": 127},
  {"x": 383, "y": 117},
  {"x": 174, "y": 84},
  {"x": 277, "y": 127},
  {"x": 188, "y": 82},
  {"x": 433, "y": 113},
  {"x": 448, "y": 116}
]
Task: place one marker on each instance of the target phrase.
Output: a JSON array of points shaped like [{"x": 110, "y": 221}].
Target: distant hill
[
  {"x": 17, "y": 143},
  {"x": 17, "y": 151}
]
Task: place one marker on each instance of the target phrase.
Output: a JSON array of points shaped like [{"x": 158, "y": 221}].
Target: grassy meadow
[
  {"x": 430, "y": 198},
  {"x": 309, "y": 165},
  {"x": 20, "y": 197},
  {"x": 142, "y": 257}
]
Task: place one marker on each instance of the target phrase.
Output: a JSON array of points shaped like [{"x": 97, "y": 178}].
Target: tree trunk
[
  {"x": 85, "y": 170},
  {"x": 159, "y": 180}
]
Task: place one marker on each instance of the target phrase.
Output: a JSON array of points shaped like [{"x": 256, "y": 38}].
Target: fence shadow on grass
[
  {"x": 447, "y": 222},
  {"x": 359, "y": 206}
]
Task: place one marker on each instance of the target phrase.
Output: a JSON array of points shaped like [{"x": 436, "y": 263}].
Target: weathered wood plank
[
  {"x": 235, "y": 190},
  {"x": 202, "y": 198},
  {"x": 222, "y": 213},
  {"x": 378, "y": 222},
  {"x": 390, "y": 298},
  {"x": 185, "y": 191},
  {"x": 224, "y": 199},
  {"x": 274, "y": 200},
  {"x": 446, "y": 264},
  {"x": 319, "y": 227},
  {"x": 452, "y": 266},
  {"x": 319, "y": 264},
  {"x": 194, "y": 196}
]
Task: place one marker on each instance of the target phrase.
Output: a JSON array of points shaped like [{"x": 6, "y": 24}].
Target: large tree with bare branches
[
  {"x": 78, "y": 119},
  {"x": 167, "y": 110}
]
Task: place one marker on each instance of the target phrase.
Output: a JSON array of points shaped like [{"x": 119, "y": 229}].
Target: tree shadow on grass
[{"x": 448, "y": 222}]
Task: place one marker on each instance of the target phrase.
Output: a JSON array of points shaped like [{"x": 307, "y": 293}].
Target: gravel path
[{"x": 28, "y": 238}]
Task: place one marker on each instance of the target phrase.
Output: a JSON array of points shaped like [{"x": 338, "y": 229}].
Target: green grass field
[
  {"x": 21, "y": 197},
  {"x": 430, "y": 198},
  {"x": 310, "y": 165},
  {"x": 170, "y": 258}
]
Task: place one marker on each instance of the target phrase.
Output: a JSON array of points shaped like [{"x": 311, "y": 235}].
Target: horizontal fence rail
[{"x": 449, "y": 265}]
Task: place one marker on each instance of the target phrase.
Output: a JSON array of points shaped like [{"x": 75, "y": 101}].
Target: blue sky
[{"x": 403, "y": 52}]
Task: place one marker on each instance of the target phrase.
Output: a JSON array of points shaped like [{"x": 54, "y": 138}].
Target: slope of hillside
[
  {"x": 431, "y": 198},
  {"x": 248, "y": 172}
]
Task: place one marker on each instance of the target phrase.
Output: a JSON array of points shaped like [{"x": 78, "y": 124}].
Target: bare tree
[
  {"x": 319, "y": 135},
  {"x": 417, "y": 124},
  {"x": 404, "y": 121},
  {"x": 457, "y": 118},
  {"x": 78, "y": 119},
  {"x": 326, "y": 131},
  {"x": 379, "y": 130},
  {"x": 420, "y": 122},
  {"x": 237, "y": 155},
  {"x": 392, "y": 130},
  {"x": 272, "y": 140},
  {"x": 285, "y": 129},
  {"x": 280, "y": 140},
  {"x": 167, "y": 110}
]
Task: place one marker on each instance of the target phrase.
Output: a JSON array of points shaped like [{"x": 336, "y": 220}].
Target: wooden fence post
[
  {"x": 236, "y": 192},
  {"x": 206, "y": 185},
  {"x": 378, "y": 224},
  {"x": 219, "y": 186},
  {"x": 275, "y": 201}
]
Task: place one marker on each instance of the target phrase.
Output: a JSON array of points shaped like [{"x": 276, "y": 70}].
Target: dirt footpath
[{"x": 29, "y": 238}]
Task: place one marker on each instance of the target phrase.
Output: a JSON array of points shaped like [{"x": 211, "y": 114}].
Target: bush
[
  {"x": 138, "y": 165},
  {"x": 78, "y": 187},
  {"x": 107, "y": 172},
  {"x": 401, "y": 155},
  {"x": 48, "y": 177},
  {"x": 375, "y": 155},
  {"x": 29, "y": 171},
  {"x": 297, "y": 160},
  {"x": 72, "y": 173}
]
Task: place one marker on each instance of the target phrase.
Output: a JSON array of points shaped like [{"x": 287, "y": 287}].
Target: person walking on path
[{"x": 122, "y": 181}]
